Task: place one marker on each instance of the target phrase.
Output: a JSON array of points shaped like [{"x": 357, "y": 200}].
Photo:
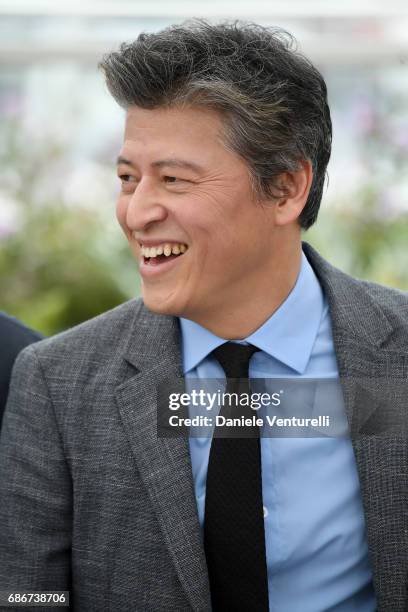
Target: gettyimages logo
[{"x": 208, "y": 400}]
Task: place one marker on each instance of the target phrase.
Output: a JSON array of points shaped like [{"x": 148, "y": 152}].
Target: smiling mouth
[{"x": 165, "y": 252}]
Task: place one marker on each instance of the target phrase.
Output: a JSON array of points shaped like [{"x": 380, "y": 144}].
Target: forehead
[{"x": 173, "y": 127}]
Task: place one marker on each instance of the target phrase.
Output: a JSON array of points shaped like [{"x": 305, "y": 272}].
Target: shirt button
[{"x": 265, "y": 511}]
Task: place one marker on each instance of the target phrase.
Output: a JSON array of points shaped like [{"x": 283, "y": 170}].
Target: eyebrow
[{"x": 172, "y": 162}]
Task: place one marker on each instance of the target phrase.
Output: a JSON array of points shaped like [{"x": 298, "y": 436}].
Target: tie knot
[{"x": 234, "y": 358}]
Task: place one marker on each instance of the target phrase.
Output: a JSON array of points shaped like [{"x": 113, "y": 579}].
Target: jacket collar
[{"x": 354, "y": 313}]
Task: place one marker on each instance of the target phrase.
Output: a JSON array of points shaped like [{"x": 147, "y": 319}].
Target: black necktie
[{"x": 234, "y": 538}]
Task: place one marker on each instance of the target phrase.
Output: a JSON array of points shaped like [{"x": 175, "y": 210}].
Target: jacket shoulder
[
  {"x": 387, "y": 296},
  {"x": 13, "y": 330},
  {"x": 103, "y": 334}
]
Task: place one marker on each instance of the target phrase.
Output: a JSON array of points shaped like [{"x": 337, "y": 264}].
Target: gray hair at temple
[{"x": 272, "y": 100}]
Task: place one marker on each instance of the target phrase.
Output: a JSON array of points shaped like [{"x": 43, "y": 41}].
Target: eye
[
  {"x": 128, "y": 183},
  {"x": 175, "y": 180}
]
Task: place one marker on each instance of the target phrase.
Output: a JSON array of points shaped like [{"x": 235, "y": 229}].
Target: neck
[{"x": 249, "y": 308}]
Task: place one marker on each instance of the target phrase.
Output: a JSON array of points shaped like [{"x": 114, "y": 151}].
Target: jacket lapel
[
  {"x": 373, "y": 375},
  {"x": 164, "y": 463}
]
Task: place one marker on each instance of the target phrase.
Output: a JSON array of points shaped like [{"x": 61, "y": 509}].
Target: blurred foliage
[
  {"x": 366, "y": 232},
  {"x": 60, "y": 264},
  {"x": 62, "y": 268},
  {"x": 362, "y": 243}
]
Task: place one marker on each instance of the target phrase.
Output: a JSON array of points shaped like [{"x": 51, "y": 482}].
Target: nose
[{"x": 145, "y": 206}]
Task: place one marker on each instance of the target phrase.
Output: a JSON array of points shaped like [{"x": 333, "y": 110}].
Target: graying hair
[{"x": 273, "y": 101}]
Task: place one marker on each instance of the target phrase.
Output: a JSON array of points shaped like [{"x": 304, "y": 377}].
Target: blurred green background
[{"x": 63, "y": 258}]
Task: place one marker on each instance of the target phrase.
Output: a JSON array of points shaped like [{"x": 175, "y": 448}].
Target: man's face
[{"x": 181, "y": 187}]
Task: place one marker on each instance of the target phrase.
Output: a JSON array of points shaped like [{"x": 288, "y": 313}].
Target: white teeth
[{"x": 163, "y": 249}]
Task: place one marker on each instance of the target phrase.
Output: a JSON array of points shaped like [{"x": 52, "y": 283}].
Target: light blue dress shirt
[{"x": 316, "y": 547}]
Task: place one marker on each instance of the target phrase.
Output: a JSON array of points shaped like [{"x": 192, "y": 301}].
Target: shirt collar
[{"x": 288, "y": 335}]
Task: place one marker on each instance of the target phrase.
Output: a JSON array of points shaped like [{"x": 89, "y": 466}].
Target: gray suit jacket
[{"x": 93, "y": 502}]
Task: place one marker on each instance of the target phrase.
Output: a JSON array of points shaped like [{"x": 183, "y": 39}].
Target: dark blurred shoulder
[
  {"x": 14, "y": 333},
  {"x": 14, "y": 337}
]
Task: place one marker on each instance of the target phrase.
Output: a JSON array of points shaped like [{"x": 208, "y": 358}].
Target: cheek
[{"x": 121, "y": 209}]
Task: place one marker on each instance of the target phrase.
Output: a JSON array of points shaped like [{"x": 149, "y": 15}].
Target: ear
[{"x": 295, "y": 187}]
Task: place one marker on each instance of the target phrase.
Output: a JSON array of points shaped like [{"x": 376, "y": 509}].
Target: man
[
  {"x": 226, "y": 144},
  {"x": 14, "y": 337}
]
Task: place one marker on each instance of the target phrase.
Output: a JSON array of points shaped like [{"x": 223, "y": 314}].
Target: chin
[{"x": 160, "y": 305}]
